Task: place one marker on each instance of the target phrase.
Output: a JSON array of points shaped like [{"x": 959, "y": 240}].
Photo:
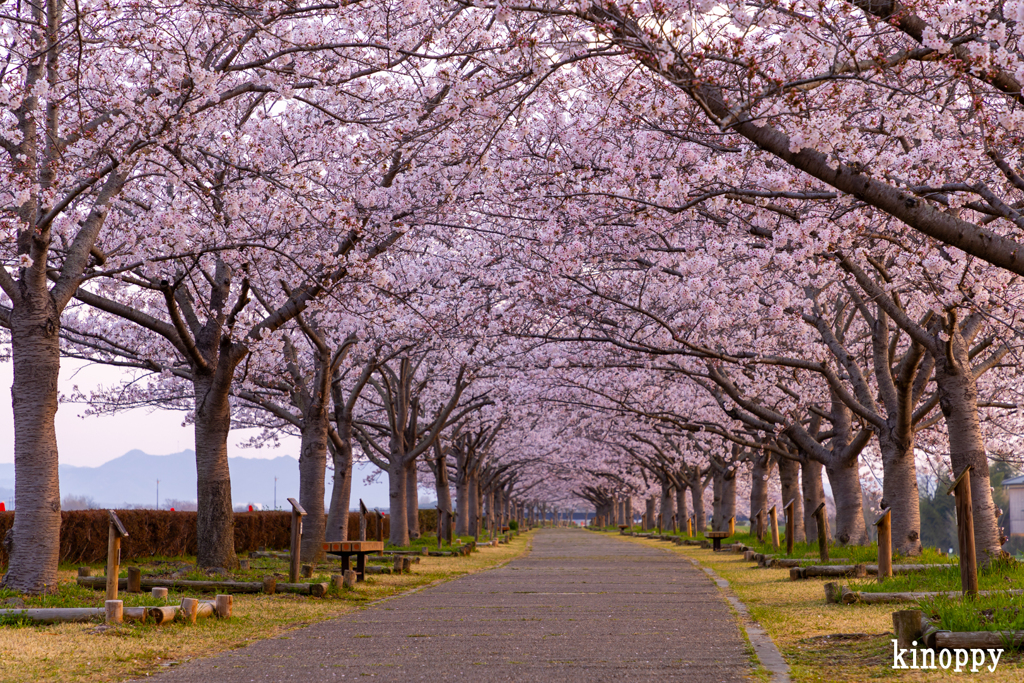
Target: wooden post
[
  {"x": 307, "y": 571},
  {"x": 269, "y": 585},
  {"x": 114, "y": 611},
  {"x": 884, "y": 525},
  {"x": 399, "y": 565},
  {"x": 158, "y": 593},
  {"x": 350, "y": 578},
  {"x": 732, "y": 525},
  {"x": 821, "y": 517},
  {"x": 380, "y": 526},
  {"x": 689, "y": 526},
  {"x": 674, "y": 522},
  {"x": 362, "y": 520},
  {"x": 115, "y": 532},
  {"x": 84, "y": 571},
  {"x": 189, "y": 609},
  {"x": 222, "y": 606},
  {"x": 907, "y": 627},
  {"x": 134, "y": 580},
  {"x": 790, "y": 526},
  {"x": 773, "y": 515},
  {"x": 451, "y": 526},
  {"x": 760, "y": 525},
  {"x": 965, "y": 532},
  {"x": 297, "y": 514}
]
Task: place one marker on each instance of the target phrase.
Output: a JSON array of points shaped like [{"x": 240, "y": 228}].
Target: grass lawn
[
  {"x": 822, "y": 642},
  {"x": 94, "y": 652}
]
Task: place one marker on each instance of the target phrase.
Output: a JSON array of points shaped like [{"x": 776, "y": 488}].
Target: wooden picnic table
[{"x": 360, "y": 549}]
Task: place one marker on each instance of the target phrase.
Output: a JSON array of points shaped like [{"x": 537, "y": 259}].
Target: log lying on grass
[
  {"x": 164, "y": 614},
  {"x": 844, "y": 570},
  {"x": 852, "y": 597},
  {"x": 314, "y": 589},
  {"x": 53, "y": 615}
]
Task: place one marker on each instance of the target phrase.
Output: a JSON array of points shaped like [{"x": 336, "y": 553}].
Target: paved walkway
[{"x": 578, "y": 607}]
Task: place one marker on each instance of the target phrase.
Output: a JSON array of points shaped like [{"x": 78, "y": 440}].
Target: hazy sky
[{"x": 92, "y": 441}]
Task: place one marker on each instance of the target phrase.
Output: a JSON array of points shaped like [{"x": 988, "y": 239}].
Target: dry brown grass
[
  {"x": 822, "y": 642},
  {"x": 93, "y": 653}
]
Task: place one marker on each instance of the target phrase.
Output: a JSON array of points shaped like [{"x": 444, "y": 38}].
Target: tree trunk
[
  {"x": 412, "y": 500},
  {"x": 899, "y": 493},
  {"x": 34, "y": 540},
  {"x": 399, "y": 535},
  {"x": 444, "y": 494},
  {"x": 958, "y": 399},
  {"x": 700, "y": 518},
  {"x": 844, "y": 479},
  {"x": 472, "y": 505},
  {"x": 814, "y": 495},
  {"x": 650, "y": 512},
  {"x": 666, "y": 505},
  {"x": 759, "y": 473},
  {"x": 725, "y": 498},
  {"x": 789, "y": 478},
  {"x": 312, "y": 469},
  {"x": 462, "y": 502},
  {"x": 341, "y": 494},
  {"x": 215, "y": 522}
]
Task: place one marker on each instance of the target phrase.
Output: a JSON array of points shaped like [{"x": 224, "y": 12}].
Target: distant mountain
[{"x": 131, "y": 480}]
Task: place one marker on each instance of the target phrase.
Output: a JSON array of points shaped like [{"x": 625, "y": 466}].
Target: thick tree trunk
[
  {"x": 444, "y": 495},
  {"x": 759, "y": 473},
  {"x": 34, "y": 540},
  {"x": 312, "y": 469},
  {"x": 215, "y": 523},
  {"x": 399, "y": 535},
  {"x": 462, "y": 503},
  {"x": 412, "y": 500},
  {"x": 650, "y": 502},
  {"x": 814, "y": 495},
  {"x": 789, "y": 479},
  {"x": 682, "y": 513},
  {"x": 844, "y": 479},
  {"x": 479, "y": 507},
  {"x": 666, "y": 505},
  {"x": 341, "y": 494},
  {"x": 958, "y": 399},
  {"x": 724, "y": 498},
  {"x": 700, "y": 518},
  {"x": 472, "y": 505},
  {"x": 899, "y": 493}
]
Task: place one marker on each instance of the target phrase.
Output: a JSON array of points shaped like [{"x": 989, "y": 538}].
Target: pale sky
[{"x": 92, "y": 441}]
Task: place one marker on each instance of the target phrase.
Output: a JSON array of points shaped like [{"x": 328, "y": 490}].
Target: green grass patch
[
  {"x": 1000, "y": 575},
  {"x": 1004, "y": 612}
]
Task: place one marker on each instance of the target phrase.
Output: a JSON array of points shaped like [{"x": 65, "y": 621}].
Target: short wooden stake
[
  {"x": 269, "y": 585},
  {"x": 350, "y": 578},
  {"x": 134, "y": 580},
  {"x": 399, "y": 566},
  {"x": 307, "y": 571},
  {"x": 790, "y": 526},
  {"x": 296, "y": 546},
  {"x": 821, "y": 517},
  {"x": 773, "y": 515},
  {"x": 223, "y": 605},
  {"x": 115, "y": 532},
  {"x": 114, "y": 611},
  {"x": 907, "y": 627},
  {"x": 84, "y": 572},
  {"x": 689, "y": 526},
  {"x": 362, "y": 520},
  {"x": 243, "y": 564},
  {"x": 965, "y": 532},
  {"x": 884, "y": 525},
  {"x": 406, "y": 565},
  {"x": 159, "y": 593},
  {"x": 189, "y": 609}
]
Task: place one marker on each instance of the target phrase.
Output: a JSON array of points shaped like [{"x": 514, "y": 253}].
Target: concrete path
[{"x": 578, "y": 607}]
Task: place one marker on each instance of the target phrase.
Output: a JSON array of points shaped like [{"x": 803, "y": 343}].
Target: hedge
[{"x": 83, "y": 537}]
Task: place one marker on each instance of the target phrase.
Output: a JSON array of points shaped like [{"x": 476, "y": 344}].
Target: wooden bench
[
  {"x": 717, "y": 537},
  {"x": 360, "y": 549}
]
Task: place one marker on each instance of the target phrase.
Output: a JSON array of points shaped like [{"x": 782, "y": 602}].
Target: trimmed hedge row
[{"x": 83, "y": 533}]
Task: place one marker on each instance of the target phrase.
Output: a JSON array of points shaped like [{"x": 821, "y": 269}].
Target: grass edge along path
[
  {"x": 822, "y": 642},
  {"x": 93, "y": 653}
]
